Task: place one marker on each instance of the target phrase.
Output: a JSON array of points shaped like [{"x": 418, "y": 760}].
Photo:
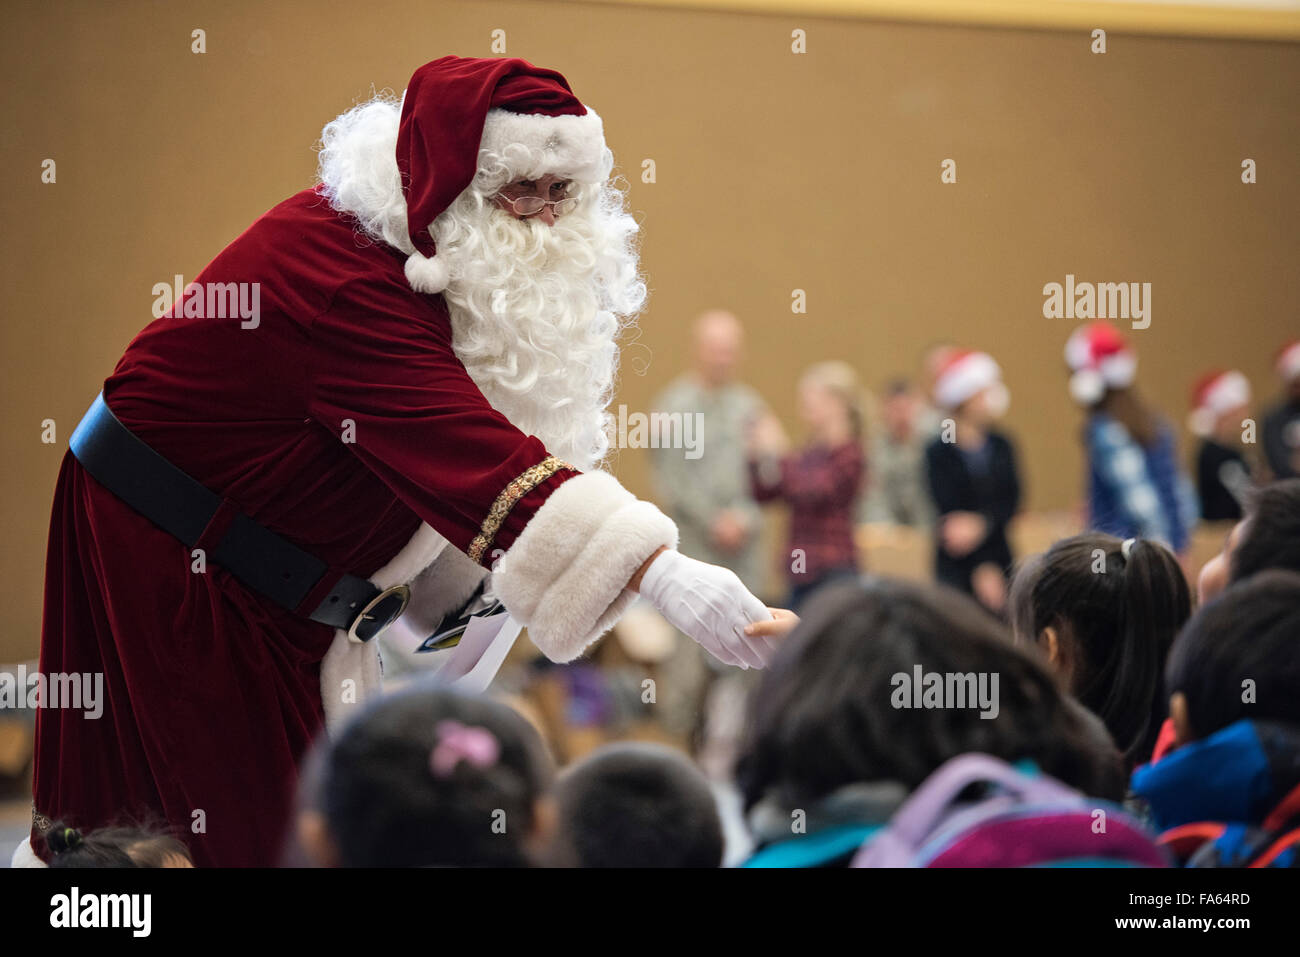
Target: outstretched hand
[
  {"x": 709, "y": 604},
  {"x": 779, "y": 625}
]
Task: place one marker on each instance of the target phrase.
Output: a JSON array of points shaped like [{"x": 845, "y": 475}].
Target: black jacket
[{"x": 995, "y": 494}]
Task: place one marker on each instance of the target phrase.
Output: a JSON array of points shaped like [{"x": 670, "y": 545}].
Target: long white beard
[
  {"x": 536, "y": 310},
  {"x": 535, "y": 316}
]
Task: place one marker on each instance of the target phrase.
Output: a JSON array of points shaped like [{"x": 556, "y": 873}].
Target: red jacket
[{"x": 212, "y": 692}]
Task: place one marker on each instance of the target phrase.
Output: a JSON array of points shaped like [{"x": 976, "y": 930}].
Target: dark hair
[
  {"x": 637, "y": 805},
  {"x": 1270, "y": 537},
  {"x": 1127, "y": 408},
  {"x": 147, "y": 845},
  {"x": 386, "y": 806},
  {"x": 822, "y": 718},
  {"x": 1116, "y": 619},
  {"x": 1248, "y": 633}
]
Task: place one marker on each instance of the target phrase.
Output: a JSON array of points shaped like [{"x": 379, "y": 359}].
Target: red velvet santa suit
[{"x": 212, "y": 692}]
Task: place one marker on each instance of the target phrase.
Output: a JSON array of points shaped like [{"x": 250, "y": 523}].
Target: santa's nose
[{"x": 547, "y": 215}]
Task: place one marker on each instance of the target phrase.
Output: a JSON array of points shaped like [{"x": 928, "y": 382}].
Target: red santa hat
[
  {"x": 455, "y": 106},
  {"x": 1288, "y": 361},
  {"x": 1214, "y": 394},
  {"x": 964, "y": 374},
  {"x": 1099, "y": 359}
]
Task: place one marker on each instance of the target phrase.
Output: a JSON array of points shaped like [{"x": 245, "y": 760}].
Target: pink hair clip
[{"x": 457, "y": 742}]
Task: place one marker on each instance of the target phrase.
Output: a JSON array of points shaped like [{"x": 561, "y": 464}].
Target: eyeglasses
[{"x": 529, "y": 205}]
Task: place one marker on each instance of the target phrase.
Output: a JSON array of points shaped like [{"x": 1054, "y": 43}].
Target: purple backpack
[{"x": 1024, "y": 820}]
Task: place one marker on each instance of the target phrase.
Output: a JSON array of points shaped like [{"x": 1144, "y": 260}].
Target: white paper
[{"x": 482, "y": 650}]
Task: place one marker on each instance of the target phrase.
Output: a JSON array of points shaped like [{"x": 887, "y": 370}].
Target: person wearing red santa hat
[
  {"x": 420, "y": 400},
  {"x": 1281, "y": 431},
  {"x": 1220, "y": 406},
  {"x": 973, "y": 478},
  {"x": 1136, "y": 488}
]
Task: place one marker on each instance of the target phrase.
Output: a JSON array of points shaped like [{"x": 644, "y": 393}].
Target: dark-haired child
[
  {"x": 428, "y": 777},
  {"x": 1104, "y": 613},
  {"x": 636, "y": 805},
  {"x": 1229, "y": 793},
  {"x": 830, "y": 754},
  {"x": 1268, "y": 536},
  {"x": 143, "y": 846}
]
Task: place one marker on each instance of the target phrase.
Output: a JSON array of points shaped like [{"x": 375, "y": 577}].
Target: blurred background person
[
  {"x": 821, "y": 482},
  {"x": 1220, "y": 405},
  {"x": 973, "y": 479},
  {"x": 709, "y": 497},
  {"x": 897, "y": 492},
  {"x": 933, "y": 360},
  {"x": 1282, "y": 421},
  {"x": 1136, "y": 488}
]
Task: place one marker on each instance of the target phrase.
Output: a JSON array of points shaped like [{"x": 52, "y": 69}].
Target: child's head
[
  {"x": 1220, "y": 403},
  {"x": 1104, "y": 613},
  {"x": 899, "y": 410},
  {"x": 829, "y": 398},
  {"x": 431, "y": 777},
  {"x": 969, "y": 385},
  {"x": 1267, "y": 537},
  {"x": 1270, "y": 535},
  {"x": 138, "y": 846},
  {"x": 636, "y": 805},
  {"x": 837, "y": 707},
  {"x": 1237, "y": 658}
]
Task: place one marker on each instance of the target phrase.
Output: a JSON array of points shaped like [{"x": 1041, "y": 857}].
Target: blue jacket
[
  {"x": 1136, "y": 491},
  {"x": 1222, "y": 801}
]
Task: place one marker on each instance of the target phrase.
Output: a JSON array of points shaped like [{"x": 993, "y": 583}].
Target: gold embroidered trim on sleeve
[{"x": 512, "y": 493}]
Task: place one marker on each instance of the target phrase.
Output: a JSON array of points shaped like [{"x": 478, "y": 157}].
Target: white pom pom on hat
[
  {"x": 427, "y": 274},
  {"x": 1087, "y": 387}
]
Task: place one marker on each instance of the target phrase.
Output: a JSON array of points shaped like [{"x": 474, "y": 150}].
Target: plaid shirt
[
  {"x": 1137, "y": 492},
  {"x": 821, "y": 487}
]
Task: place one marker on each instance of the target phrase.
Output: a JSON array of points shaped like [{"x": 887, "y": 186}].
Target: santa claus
[{"x": 421, "y": 399}]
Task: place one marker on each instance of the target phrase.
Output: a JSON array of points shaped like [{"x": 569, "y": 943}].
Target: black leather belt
[{"x": 257, "y": 557}]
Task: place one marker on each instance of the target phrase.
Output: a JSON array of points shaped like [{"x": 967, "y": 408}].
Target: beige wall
[{"x": 775, "y": 171}]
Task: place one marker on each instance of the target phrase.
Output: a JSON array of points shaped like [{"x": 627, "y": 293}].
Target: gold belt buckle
[{"x": 365, "y": 615}]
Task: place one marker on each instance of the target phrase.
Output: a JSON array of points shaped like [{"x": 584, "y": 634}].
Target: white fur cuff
[
  {"x": 24, "y": 856},
  {"x": 565, "y": 576}
]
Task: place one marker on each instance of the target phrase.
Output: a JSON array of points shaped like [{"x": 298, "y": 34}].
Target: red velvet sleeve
[{"x": 385, "y": 380}]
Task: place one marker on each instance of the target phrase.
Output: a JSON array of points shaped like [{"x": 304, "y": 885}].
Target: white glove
[{"x": 711, "y": 605}]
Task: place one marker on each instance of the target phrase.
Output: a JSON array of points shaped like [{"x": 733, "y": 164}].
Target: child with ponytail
[
  {"x": 1104, "y": 613},
  {"x": 149, "y": 844}
]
